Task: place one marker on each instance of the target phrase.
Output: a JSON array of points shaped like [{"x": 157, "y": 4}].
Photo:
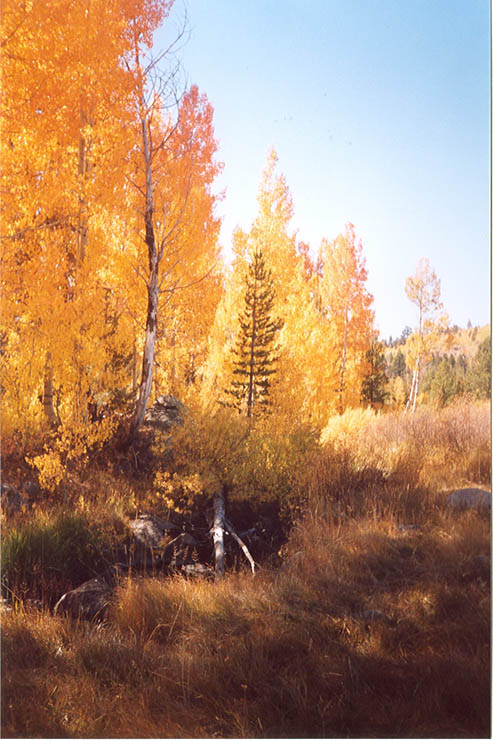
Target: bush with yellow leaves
[
  {"x": 69, "y": 447},
  {"x": 221, "y": 450}
]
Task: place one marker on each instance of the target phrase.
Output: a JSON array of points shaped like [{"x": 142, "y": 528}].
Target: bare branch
[
  {"x": 230, "y": 529},
  {"x": 45, "y": 225}
]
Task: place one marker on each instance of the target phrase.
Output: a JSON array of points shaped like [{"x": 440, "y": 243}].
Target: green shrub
[
  {"x": 44, "y": 557},
  {"x": 262, "y": 464}
]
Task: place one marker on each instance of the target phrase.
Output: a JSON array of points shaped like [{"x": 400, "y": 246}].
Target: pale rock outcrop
[{"x": 470, "y": 498}]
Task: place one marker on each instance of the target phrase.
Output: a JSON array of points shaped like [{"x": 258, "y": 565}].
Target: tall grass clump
[
  {"x": 49, "y": 554},
  {"x": 364, "y": 634},
  {"x": 433, "y": 446}
]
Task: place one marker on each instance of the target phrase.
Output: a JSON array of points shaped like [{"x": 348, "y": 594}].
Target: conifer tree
[
  {"x": 374, "y": 382},
  {"x": 255, "y": 351},
  {"x": 478, "y": 378}
]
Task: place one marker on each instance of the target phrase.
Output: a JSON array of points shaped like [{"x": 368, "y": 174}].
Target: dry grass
[
  {"x": 432, "y": 447},
  {"x": 368, "y": 629}
]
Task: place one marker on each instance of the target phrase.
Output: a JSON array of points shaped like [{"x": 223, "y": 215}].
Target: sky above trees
[{"x": 379, "y": 112}]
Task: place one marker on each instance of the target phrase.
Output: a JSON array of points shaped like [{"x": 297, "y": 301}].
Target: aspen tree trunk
[
  {"x": 411, "y": 392},
  {"x": 134, "y": 368},
  {"x": 173, "y": 373},
  {"x": 152, "y": 293},
  {"x": 343, "y": 363},
  {"x": 218, "y": 532},
  {"x": 84, "y": 168},
  {"x": 48, "y": 409},
  {"x": 416, "y": 378}
]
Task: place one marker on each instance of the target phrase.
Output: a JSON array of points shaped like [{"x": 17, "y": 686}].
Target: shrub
[
  {"x": 51, "y": 554},
  {"x": 258, "y": 465},
  {"x": 432, "y": 447}
]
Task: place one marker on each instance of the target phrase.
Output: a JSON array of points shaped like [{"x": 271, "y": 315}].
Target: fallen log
[{"x": 230, "y": 529}]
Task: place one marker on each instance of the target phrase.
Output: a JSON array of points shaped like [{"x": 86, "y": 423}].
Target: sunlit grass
[{"x": 376, "y": 623}]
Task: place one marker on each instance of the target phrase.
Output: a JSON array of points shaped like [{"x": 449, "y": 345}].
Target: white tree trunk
[
  {"x": 218, "y": 533},
  {"x": 343, "y": 363},
  {"x": 152, "y": 288}
]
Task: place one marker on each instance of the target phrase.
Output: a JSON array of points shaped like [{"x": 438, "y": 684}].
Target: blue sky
[{"x": 379, "y": 112}]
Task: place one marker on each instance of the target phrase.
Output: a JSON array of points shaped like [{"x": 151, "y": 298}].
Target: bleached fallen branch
[{"x": 230, "y": 529}]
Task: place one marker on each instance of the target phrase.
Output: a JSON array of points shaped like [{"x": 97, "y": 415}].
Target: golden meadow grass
[{"x": 369, "y": 628}]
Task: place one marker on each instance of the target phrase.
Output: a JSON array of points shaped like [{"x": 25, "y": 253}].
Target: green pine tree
[
  {"x": 373, "y": 388},
  {"x": 398, "y": 365},
  {"x": 443, "y": 384},
  {"x": 478, "y": 378},
  {"x": 255, "y": 350}
]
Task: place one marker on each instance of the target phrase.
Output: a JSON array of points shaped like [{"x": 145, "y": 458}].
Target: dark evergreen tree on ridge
[{"x": 255, "y": 351}]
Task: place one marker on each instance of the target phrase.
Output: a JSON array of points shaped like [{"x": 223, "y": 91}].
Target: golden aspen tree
[
  {"x": 190, "y": 296},
  {"x": 345, "y": 307},
  {"x": 271, "y": 234},
  {"x": 54, "y": 55},
  {"x": 423, "y": 289},
  {"x": 68, "y": 137},
  {"x": 175, "y": 167}
]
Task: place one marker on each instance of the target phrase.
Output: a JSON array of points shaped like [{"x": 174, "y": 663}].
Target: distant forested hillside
[{"x": 459, "y": 364}]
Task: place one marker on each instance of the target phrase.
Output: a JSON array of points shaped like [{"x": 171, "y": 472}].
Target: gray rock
[
  {"x": 113, "y": 574},
  {"x": 197, "y": 570},
  {"x": 406, "y": 528},
  {"x": 165, "y": 412},
  {"x": 12, "y": 500},
  {"x": 149, "y": 530},
  {"x": 89, "y": 601},
  {"x": 470, "y": 498}
]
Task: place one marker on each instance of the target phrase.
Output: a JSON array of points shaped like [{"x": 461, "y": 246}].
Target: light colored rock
[
  {"x": 407, "y": 528},
  {"x": 469, "y": 498},
  {"x": 197, "y": 570},
  {"x": 150, "y": 530}
]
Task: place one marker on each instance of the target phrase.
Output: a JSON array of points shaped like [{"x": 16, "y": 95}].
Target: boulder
[
  {"x": 149, "y": 529},
  {"x": 164, "y": 413},
  {"x": 12, "y": 500},
  {"x": 470, "y": 498},
  {"x": 197, "y": 570},
  {"x": 408, "y": 528},
  {"x": 89, "y": 601}
]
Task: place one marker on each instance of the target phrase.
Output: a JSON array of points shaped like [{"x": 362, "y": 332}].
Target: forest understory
[{"x": 371, "y": 619}]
